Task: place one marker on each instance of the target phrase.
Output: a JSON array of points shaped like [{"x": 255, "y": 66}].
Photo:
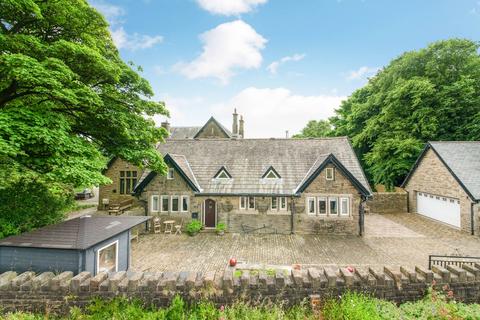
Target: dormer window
[
  {"x": 330, "y": 173},
  {"x": 271, "y": 174},
  {"x": 170, "y": 174},
  {"x": 223, "y": 174}
]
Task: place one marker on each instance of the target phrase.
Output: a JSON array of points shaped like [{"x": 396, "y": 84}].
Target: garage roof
[
  {"x": 462, "y": 159},
  {"x": 75, "y": 234}
]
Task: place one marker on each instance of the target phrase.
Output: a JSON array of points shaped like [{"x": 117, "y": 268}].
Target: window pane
[
  {"x": 122, "y": 186},
  {"x": 251, "y": 202},
  {"x": 322, "y": 206},
  {"x": 165, "y": 204},
  {"x": 134, "y": 183},
  {"x": 154, "y": 203},
  {"x": 311, "y": 205},
  {"x": 283, "y": 203},
  {"x": 122, "y": 173},
  {"x": 128, "y": 183},
  {"x": 274, "y": 203},
  {"x": 184, "y": 203},
  {"x": 107, "y": 259},
  {"x": 344, "y": 206},
  {"x": 174, "y": 203},
  {"x": 134, "y": 173},
  {"x": 333, "y": 206},
  {"x": 243, "y": 203}
]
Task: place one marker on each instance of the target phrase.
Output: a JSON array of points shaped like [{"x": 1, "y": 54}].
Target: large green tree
[
  {"x": 67, "y": 100},
  {"x": 430, "y": 94},
  {"x": 315, "y": 129}
]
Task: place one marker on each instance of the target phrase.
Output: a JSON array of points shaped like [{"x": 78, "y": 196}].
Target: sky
[{"x": 280, "y": 63}]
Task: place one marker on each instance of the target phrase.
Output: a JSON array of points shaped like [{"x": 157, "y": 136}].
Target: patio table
[{"x": 168, "y": 226}]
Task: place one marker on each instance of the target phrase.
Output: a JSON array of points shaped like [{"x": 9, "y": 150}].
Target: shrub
[
  {"x": 30, "y": 204},
  {"x": 220, "y": 227},
  {"x": 193, "y": 227}
]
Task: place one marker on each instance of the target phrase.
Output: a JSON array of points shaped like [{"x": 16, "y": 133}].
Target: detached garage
[{"x": 444, "y": 184}]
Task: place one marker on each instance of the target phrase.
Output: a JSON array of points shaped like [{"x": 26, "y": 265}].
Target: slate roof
[
  {"x": 462, "y": 158},
  {"x": 79, "y": 233},
  {"x": 247, "y": 160},
  {"x": 183, "y": 132},
  {"x": 227, "y": 132}
]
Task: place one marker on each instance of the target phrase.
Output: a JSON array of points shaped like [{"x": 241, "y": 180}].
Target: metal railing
[{"x": 454, "y": 260}]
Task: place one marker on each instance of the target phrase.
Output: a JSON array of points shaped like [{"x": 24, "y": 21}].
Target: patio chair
[
  {"x": 157, "y": 225},
  {"x": 178, "y": 227}
]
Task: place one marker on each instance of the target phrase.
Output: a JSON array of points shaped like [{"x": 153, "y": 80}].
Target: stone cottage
[
  {"x": 256, "y": 185},
  {"x": 444, "y": 184}
]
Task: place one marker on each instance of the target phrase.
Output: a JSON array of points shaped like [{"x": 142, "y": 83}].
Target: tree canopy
[
  {"x": 425, "y": 95},
  {"x": 315, "y": 129},
  {"x": 68, "y": 102}
]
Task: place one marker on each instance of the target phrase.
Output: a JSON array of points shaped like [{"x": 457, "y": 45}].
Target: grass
[{"x": 350, "y": 306}]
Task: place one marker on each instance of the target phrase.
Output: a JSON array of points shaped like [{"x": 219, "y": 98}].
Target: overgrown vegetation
[
  {"x": 351, "y": 306},
  {"x": 68, "y": 103},
  {"x": 425, "y": 95}
]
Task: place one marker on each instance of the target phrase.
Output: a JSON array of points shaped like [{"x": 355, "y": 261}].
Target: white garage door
[{"x": 440, "y": 208}]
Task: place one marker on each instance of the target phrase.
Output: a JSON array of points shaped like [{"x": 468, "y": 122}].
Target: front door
[{"x": 210, "y": 213}]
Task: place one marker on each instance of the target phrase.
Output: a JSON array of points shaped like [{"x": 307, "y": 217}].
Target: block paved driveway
[{"x": 393, "y": 239}]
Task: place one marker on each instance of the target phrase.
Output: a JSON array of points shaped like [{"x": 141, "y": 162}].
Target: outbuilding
[
  {"x": 444, "y": 184},
  {"x": 87, "y": 243}
]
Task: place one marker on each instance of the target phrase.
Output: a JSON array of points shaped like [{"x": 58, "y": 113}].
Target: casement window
[
  {"x": 170, "y": 173},
  {"x": 333, "y": 205},
  {"x": 322, "y": 205},
  {"x": 175, "y": 203},
  {"x": 283, "y": 203},
  {"x": 243, "y": 203},
  {"x": 251, "y": 203},
  {"x": 165, "y": 203},
  {"x": 155, "y": 203},
  {"x": 185, "y": 203},
  {"x": 128, "y": 180},
  {"x": 344, "y": 207},
  {"x": 107, "y": 258},
  {"x": 311, "y": 209},
  {"x": 274, "y": 205},
  {"x": 330, "y": 173}
]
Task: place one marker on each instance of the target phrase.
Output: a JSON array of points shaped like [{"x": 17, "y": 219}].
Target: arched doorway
[{"x": 210, "y": 213}]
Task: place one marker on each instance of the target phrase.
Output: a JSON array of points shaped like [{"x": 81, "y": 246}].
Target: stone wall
[
  {"x": 57, "y": 293},
  {"x": 388, "y": 202}
]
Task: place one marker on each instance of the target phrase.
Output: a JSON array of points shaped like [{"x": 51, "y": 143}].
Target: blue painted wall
[{"x": 57, "y": 260}]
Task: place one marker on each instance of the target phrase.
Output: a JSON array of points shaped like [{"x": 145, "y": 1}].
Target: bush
[
  {"x": 220, "y": 227},
  {"x": 30, "y": 204},
  {"x": 194, "y": 227}
]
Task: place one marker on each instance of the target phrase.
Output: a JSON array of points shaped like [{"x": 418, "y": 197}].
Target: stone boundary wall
[
  {"x": 57, "y": 293},
  {"x": 388, "y": 202}
]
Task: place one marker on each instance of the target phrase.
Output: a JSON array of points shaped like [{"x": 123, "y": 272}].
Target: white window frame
[
  {"x": 309, "y": 200},
  {"x": 162, "y": 198},
  {"x": 248, "y": 203},
  {"x": 116, "y": 255},
  {"x": 283, "y": 203},
  {"x": 170, "y": 172},
  {"x": 276, "y": 203},
  {"x": 244, "y": 207},
  {"x": 326, "y": 205},
  {"x": 152, "y": 208},
  {"x": 171, "y": 203},
  {"x": 330, "y": 200},
  {"x": 271, "y": 171},
  {"x": 188, "y": 203},
  {"x": 330, "y": 177},
  {"x": 342, "y": 206},
  {"x": 225, "y": 172}
]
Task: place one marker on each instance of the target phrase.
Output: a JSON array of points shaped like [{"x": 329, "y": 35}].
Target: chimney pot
[
  {"x": 235, "y": 123},
  {"x": 165, "y": 124},
  {"x": 241, "y": 131}
]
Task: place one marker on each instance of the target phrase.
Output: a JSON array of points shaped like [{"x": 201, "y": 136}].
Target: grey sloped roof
[
  {"x": 463, "y": 159},
  {"x": 182, "y": 162},
  {"x": 248, "y": 159},
  {"x": 183, "y": 132},
  {"x": 78, "y": 233}
]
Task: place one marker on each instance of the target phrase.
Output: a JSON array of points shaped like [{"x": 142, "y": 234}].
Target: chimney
[
  {"x": 286, "y": 134},
  {"x": 235, "y": 123},
  {"x": 166, "y": 125},
  {"x": 240, "y": 129}
]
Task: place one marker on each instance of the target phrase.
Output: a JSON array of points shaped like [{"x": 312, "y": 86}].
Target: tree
[
  {"x": 67, "y": 100},
  {"x": 315, "y": 129},
  {"x": 430, "y": 94}
]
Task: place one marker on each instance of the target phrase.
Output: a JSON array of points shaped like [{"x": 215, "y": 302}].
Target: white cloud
[
  {"x": 229, "y": 7},
  {"x": 269, "y": 112},
  {"x": 120, "y": 37},
  {"x": 273, "y": 67},
  {"x": 362, "y": 73},
  {"x": 183, "y": 111},
  {"x": 229, "y": 46}
]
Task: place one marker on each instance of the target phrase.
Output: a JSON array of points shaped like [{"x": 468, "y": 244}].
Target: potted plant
[
  {"x": 220, "y": 228},
  {"x": 193, "y": 227}
]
